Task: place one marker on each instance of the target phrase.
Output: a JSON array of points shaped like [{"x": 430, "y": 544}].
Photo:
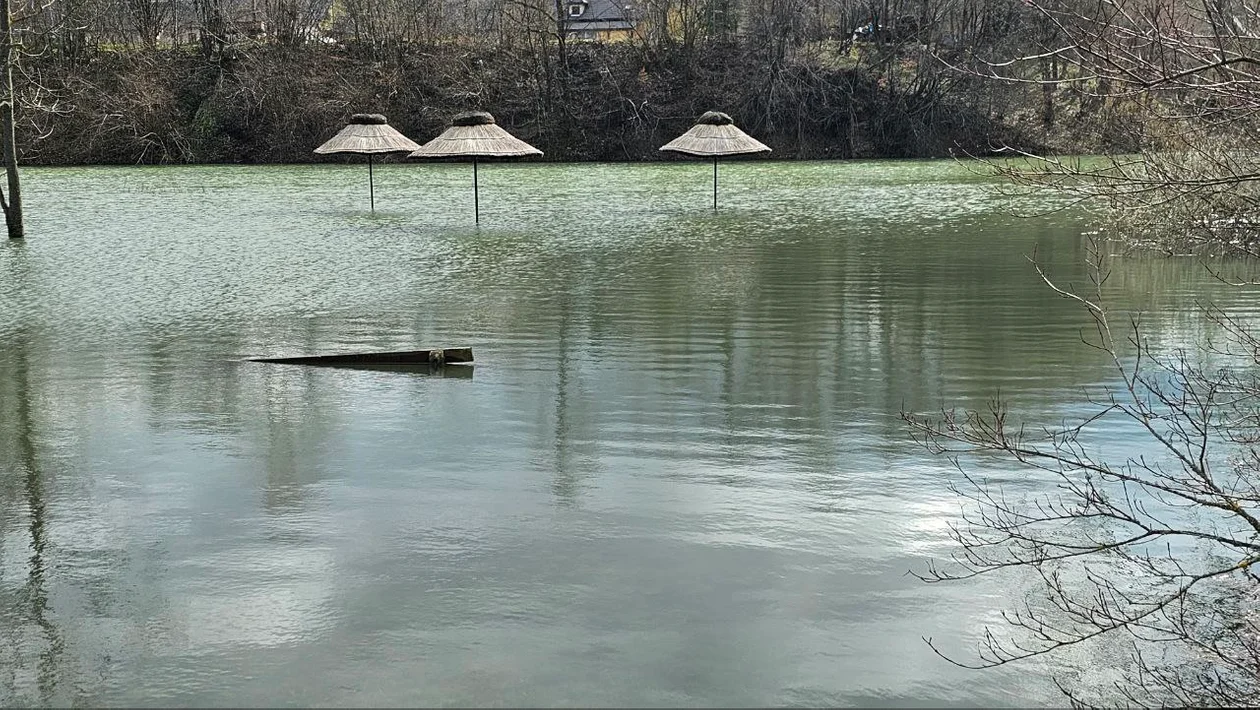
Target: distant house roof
[{"x": 598, "y": 15}]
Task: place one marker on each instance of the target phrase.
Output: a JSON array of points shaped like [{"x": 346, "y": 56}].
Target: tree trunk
[
  {"x": 8, "y": 140},
  {"x": 562, "y": 35},
  {"x": 1049, "y": 75}
]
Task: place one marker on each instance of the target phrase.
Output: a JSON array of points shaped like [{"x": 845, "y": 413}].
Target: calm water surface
[{"x": 675, "y": 475}]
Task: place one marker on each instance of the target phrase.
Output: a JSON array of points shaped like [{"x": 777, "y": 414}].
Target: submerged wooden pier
[{"x": 401, "y": 358}]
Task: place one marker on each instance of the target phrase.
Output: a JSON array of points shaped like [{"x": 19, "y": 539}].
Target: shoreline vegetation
[{"x": 261, "y": 103}]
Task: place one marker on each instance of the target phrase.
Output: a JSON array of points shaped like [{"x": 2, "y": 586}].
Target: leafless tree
[
  {"x": 147, "y": 19},
  {"x": 10, "y": 54},
  {"x": 1155, "y": 549},
  {"x": 292, "y": 22},
  {"x": 1183, "y": 77}
]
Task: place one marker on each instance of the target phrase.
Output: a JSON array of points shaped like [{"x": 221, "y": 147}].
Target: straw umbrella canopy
[
  {"x": 475, "y": 135},
  {"x": 714, "y": 136},
  {"x": 368, "y": 134}
]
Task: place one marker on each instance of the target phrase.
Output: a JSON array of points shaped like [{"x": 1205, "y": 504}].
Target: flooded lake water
[{"x": 675, "y": 475}]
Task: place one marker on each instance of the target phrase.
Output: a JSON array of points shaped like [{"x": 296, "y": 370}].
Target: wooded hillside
[{"x": 160, "y": 81}]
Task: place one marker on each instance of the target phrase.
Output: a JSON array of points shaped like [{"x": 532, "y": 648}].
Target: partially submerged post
[
  {"x": 475, "y": 135},
  {"x": 714, "y": 136},
  {"x": 368, "y": 134}
]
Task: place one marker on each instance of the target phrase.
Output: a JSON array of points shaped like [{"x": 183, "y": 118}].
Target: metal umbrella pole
[{"x": 715, "y": 183}]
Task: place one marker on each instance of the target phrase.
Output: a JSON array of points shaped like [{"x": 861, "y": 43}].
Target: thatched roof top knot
[
  {"x": 715, "y": 118},
  {"x": 368, "y": 119},
  {"x": 472, "y": 118}
]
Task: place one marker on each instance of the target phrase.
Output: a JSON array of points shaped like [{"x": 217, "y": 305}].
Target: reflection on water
[
  {"x": 677, "y": 476},
  {"x": 28, "y": 604}
]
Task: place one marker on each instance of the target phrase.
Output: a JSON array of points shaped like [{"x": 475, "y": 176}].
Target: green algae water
[{"x": 675, "y": 476}]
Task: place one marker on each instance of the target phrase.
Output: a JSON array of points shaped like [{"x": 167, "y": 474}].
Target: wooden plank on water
[{"x": 401, "y": 357}]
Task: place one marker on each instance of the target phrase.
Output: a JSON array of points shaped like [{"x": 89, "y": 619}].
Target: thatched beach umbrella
[
  {"x": 713, "y": 136},
  {"x": 368, "y": 134},
  {"x": 475, "y": 135}
]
